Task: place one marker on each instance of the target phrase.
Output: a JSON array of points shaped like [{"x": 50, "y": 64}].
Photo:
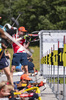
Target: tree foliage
[{"x": 36, "y": 14}]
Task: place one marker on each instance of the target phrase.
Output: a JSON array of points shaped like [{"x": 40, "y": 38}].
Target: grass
[
  {"x": 35, "y": 56},
  {"x": 60, "y": 80}
]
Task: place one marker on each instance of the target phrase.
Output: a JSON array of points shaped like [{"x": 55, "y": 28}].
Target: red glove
[{"x": 41, "y": 84}]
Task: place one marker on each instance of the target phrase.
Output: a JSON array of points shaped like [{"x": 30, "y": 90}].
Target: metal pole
[
  {"x": 47, "y": 67},
  {"x": 50, "y": 75},
  {"x": 58, "y": 80},
  {"x": 49, "y": 71},
  {"x": 64, "y": 93},
  {"x": 41, "y": 53},
  {"x": 53, "y": 72},
  {"x": 54, "y": 79},
  {"x": 16, "y": 20},
  {"x": 58, "y": 84},
  {"x": 42, "y": 49}
]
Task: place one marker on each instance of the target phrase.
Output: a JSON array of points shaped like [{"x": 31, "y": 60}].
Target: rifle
[
  {"x": 9, "y": 37},
  {"x": 31, "y": 93},
  {"x": 30, "y": 84}
]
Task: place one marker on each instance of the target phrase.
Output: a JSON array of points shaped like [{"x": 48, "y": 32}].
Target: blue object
[
  {"x": 30, "y": 67},
  {"x": 31, "y": 81},
  {"x": 18, "y": 67},
  {"x": 31, "y": 71},
  {"x": 15, "y": 86},
  {"x": 17, "y": 82},
  {"x": 19, "y": 58},
  {"x": 3, "y": 28},
  {"x": 3, "y": 61}
]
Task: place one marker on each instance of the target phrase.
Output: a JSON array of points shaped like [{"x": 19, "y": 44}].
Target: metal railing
[{"x": 53, "y": 62}]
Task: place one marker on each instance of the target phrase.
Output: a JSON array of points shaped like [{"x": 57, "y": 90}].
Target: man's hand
[{"x": 25, "y": 36}]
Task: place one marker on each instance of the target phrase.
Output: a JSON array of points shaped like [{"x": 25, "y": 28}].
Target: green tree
[{"x": 36, "y": 14}]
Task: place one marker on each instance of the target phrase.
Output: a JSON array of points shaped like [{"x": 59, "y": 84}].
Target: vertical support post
[
  {"x": 57, "y": 94},
  {"x": 50, "y": 68},
  {"x": 41, "y": 53},
  {"x": 47, "y": 66},
  {"x": 51, "y": 72},
  {"x": 64, "y": 90},
  {"x": 64, "y": 93},
  {"x": 54, "y": 73}
]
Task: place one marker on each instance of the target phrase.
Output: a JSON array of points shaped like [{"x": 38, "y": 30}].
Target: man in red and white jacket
[{"x": 20, "y": 55}]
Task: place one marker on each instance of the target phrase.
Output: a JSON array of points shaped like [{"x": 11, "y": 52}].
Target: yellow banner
[
  {"x": 60, "y": 56},
  {"x": 50, "y": 59},
  {"x": 64, "y": 55},
  {"x": 55, "y": 57}
]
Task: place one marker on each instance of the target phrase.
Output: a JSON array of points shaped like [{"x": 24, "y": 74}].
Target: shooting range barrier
[{"x": 53, "y": 60}]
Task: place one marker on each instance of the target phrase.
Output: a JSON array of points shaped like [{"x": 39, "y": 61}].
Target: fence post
[
  {"x": 41, "y": 53},
  {"x": 51, "y": 72},
  {"x": 54, "y": 72},
  {"x": 57, "y": 92},
  {"x": 47, "y": 66},
  {"x": 64, "y": 90},
  {"x": 64, "y": 94}
]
